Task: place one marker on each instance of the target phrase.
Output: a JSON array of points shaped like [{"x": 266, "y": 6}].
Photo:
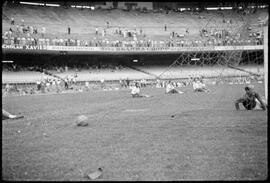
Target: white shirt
[
  {"x": 169, "y": 87},
  {"x": 198, "y": 85},
  {"x": 195, "y": 85},
  {"x": 135, "y": 90}
]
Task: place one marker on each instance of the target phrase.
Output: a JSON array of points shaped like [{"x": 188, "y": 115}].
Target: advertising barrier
[{"x": 78, "y": 49}]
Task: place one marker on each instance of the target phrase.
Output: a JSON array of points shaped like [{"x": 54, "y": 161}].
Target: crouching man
[{"x": 251, "y": 100}]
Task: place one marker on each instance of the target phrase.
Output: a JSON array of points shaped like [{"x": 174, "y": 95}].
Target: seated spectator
[
  {"x": 170, "y": 89},
  {"x": 199, "y": 86},
  {"x": 136, "y": 91},
  {"x": 7, "y": 115}
]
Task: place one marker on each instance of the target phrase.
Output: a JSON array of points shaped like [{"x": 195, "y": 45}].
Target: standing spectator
[
  {"x": 66, "y": 83},
  {"x": 24, "y": 29},
  {"x": 47, "y": 42},
  {"x": 69, "y": 29},
  {"x": 108, "y": 24},
  {"x": 18, "y": 40},
  {"x": 54, "y": 42},
  {"x": 22, "y": 22},
  {"x": 38, "y": 85},
  {"x": 61, "y": 41},
  {"x": 31, "y": 30},
  {"x": 12, "y": 21},
  {"x": 120, "y": 32},
  {"x": 127, "y": 82},
  {"x": 15, "y": 40},
  {"x": 12, "y": 40},
  {"x": 28, "y": 41},
  {"x": 23, "y": 41},
  {"x": 43, "y": 31},
  {"x": 35, "y": 30},
  {"x": 96, "y": 31},
  {"x": 32, "y": 41},
  {"x": 102, "y": 83},
  {"x": 165, "y": 27},
  {"x": 18, "y": 29},
  {"x": 187, "y": 30}
]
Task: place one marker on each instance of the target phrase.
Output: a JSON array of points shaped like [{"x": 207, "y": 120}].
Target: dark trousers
[{"x": 249, "y": 104}]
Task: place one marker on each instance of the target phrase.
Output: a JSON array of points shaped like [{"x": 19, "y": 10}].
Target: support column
[{"x": 265, "y": 45}]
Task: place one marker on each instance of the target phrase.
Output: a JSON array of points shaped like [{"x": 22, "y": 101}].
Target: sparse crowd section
[
  {"x": 50, "y": 84},
  {"x": 205, "y": 28}
]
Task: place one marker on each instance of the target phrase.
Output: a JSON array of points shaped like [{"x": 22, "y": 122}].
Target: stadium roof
[{"x": 183, "y": 3}]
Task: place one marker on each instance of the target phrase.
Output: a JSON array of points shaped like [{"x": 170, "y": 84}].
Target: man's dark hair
[{"x": 247, "y": 88}]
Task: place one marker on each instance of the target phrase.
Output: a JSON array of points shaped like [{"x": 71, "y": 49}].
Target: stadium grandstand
[{"x": 129, "y": 40}]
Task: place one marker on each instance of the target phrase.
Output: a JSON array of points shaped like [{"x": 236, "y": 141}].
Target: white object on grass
[{"x": 82, "y": 120}]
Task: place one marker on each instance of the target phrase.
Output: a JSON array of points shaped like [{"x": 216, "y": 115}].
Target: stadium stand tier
[
  {"x": 184, "y": 26},
  {"x": 120, "y": 28}
]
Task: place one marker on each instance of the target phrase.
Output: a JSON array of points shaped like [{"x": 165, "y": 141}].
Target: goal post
[{"x": 265, "y": 48}]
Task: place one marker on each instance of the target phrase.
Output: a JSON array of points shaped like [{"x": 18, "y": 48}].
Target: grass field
[{"x": 135, "y": 138}]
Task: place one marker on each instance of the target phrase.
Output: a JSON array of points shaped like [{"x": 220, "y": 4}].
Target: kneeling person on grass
[
  {"x": 136, "y": 91},
  {"x": 170, "y": 89},
  {"x": 251, "y": 100}
]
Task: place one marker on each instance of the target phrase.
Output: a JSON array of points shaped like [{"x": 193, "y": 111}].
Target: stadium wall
[{"x": 124, "y": 59}]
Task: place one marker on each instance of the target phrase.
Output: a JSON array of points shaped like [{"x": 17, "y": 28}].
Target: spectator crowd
[{"x": 20, "y": 34}]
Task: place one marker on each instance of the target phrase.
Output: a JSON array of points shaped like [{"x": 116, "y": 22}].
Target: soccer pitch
[{"x": 192, "y": 136}]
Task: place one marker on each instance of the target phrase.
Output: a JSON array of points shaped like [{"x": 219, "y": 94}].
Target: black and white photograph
[{"x": 134, "y": 90}]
